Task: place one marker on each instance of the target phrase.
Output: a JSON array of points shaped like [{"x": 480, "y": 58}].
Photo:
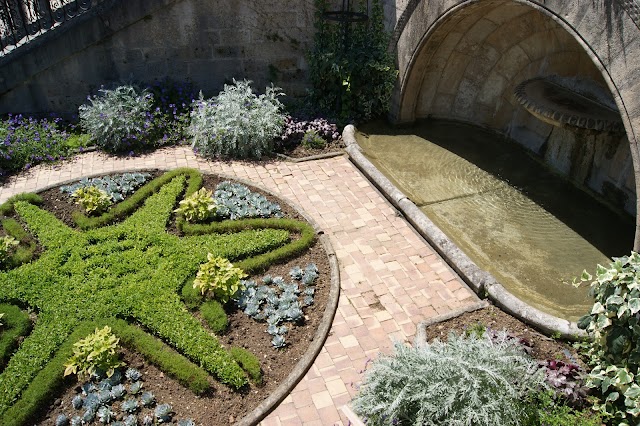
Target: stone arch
[{"x": 461, "y": 59}]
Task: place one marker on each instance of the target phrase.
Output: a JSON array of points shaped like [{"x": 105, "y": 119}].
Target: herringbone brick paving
[{"x": 391, "y": 279}]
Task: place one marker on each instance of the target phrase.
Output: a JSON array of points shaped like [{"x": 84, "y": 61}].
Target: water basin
[{"x": 530, "y": 228}]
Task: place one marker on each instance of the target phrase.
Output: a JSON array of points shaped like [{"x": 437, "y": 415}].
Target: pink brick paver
[{"x": 391, "y": 279}]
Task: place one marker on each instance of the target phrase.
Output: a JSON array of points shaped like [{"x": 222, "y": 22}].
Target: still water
[{"x": 530, "y": 228}]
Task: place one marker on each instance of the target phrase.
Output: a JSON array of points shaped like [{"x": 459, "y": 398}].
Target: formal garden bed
[{"x": 134, "y": 262}]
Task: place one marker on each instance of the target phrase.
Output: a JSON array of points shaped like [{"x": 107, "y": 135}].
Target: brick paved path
[{"x": 390, "y": 278}]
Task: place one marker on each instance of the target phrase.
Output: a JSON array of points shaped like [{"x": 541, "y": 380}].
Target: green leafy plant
[
  {"x": 215, "y": 316},
  {"x": 249, "y": 363},
  {"x": 198, "y": 206},
  {"x": 93, "y": 199},
  {"x": 466, "y": 381},
  {"x": 350, "y": 89},
  {"x": 7, "y": 245},
  {"x": 119, "y": 119},
  {"x": 614, "y": 325},
  {"x": 237, "y": 123},
  {"x": 1, "y": 323},
  {"x": 98, "y": 352},
  {"x": 219, "y": 277},
  {"x": 312, "y": 139}
]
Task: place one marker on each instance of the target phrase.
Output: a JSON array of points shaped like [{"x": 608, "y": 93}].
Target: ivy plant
[{"x": 614, "y": 325}]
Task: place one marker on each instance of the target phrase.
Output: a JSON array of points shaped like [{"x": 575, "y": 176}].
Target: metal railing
[{"x": 23, "y": 20}]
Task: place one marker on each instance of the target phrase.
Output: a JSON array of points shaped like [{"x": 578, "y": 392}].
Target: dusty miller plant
[
  {"x": 118, "y": 119},
  {"x": 466, "y": 381},
  {"x": 237, "y": 123},
  {"x": 614, "y": 324}
]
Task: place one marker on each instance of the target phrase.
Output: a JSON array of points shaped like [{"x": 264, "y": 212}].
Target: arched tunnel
[{"x": 462, "y": 60}]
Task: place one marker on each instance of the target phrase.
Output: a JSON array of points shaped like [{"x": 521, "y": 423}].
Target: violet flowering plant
[{"x": 27, "y": 141}]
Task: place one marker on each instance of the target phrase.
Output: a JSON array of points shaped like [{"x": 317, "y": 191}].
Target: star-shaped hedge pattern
[{"x": 131, "y": 270}]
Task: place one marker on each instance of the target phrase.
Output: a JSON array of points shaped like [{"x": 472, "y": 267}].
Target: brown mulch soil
[
  {"x": 300, "y": 151},
  {"x": 222, "y": 405},
  {"x": 491, "y": 317}
]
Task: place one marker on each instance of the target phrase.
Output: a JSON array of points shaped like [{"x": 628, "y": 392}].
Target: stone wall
[{"x": 209, "y": 42}]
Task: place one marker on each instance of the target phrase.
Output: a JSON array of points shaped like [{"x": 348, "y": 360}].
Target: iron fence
[{"x": 23, "y": 20}]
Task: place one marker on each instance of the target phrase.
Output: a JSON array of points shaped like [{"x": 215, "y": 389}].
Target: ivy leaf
[
  {"x": 633, "y": 392},
  {"x": 613, "y": 396},
  {"x": 618, "y": 340},
  {"x": 634, "y": 305}
]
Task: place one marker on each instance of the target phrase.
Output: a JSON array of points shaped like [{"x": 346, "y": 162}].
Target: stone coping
[
  {"x": 568, "y": 103},
  {"x": 482, "y": 282},
  {"x": 307, "y": 360}
]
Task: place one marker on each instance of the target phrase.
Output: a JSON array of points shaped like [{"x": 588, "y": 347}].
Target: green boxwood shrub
[
  {"x": 249, "y": 363},
  {"x": 213, "y": 313},
  {"x": 15, "y": 324}
]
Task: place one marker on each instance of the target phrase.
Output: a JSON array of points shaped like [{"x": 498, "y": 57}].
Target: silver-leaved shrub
[
  {"x": 465, "y": 381},
  {"x": 118, "y": 120},
  {"x": 236, "y": 123}
]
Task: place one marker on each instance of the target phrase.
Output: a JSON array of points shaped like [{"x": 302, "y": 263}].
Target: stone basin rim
[
  {"x": 574, "y": 120},
  {"x": 481, "y": 282}
]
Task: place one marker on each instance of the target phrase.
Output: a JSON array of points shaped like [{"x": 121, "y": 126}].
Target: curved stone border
[
  {"x": 307, "y": 360},
  {"x": 482, "y": 282},
  {"x": 561, "y": 119},
  {"x": 311, "y": 157}
]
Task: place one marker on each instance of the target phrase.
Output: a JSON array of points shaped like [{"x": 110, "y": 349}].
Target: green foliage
[
  {"x": 614, "y": 325},
  {"x": 236, "y": 123},
  {"x": 7, "y": 246},
  {"x": 466, "y": 381},
  {"x": 198, "y": 206},
  {"x": 93, "y": 199},
  {"x": 168, "y": 360},
  {"x": 236, "y": 201},
  {"x": 249, "y": 363},
  {"x": 215, "y": 316},
  {"x": 550, "y": 412},
  {"x": 16, "y": 324},
  {"x": 260, "y": 262},
  {"x": 98, "y": 352},
  {"x": 6, "y": 208},
  {"x": 191, "y": 296},
  {"x": 352, "y": 76},
  {"x": 118, "y": 120},
  {"x": 78, "y": 141},
  {"x": 134, "y": 270},
  {"x": 219, "y": 277},
  {"x": 24, "y": 252},
  {"x": 313, "y": 140}
]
